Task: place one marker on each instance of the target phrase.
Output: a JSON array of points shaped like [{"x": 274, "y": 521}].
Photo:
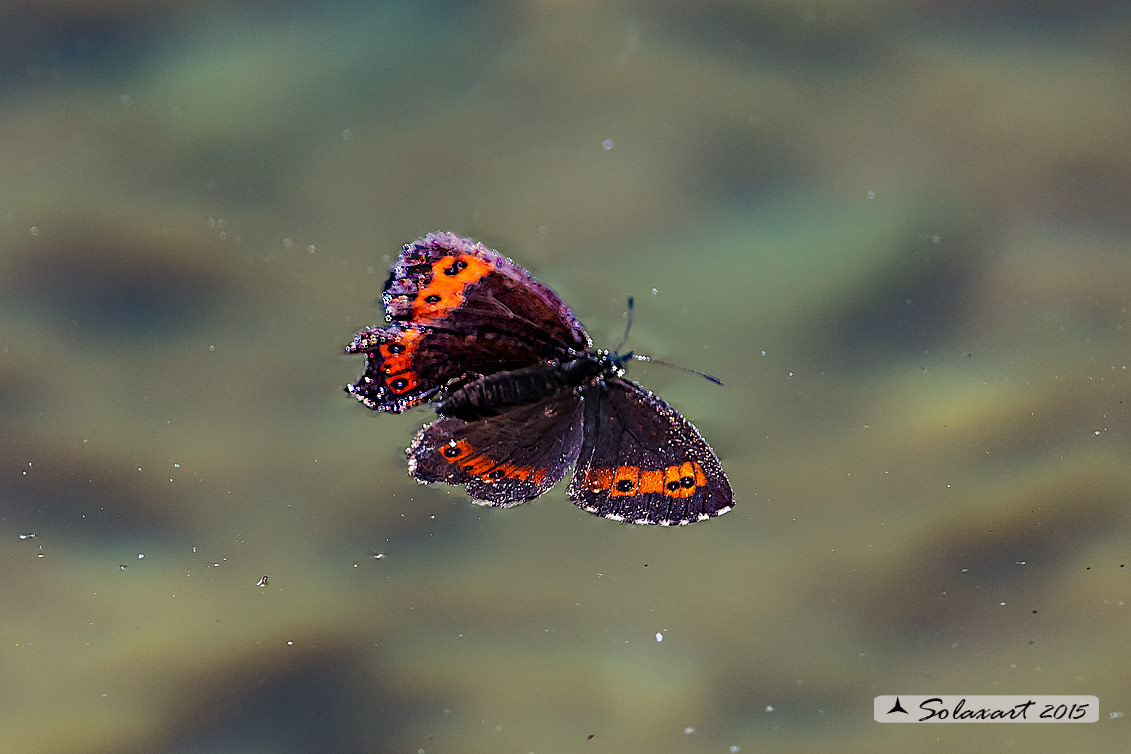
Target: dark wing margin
[
  {"x": 502, "y": 460},
  {"x": 457, "y": 310},
  {"x": 641, "y": 462}
]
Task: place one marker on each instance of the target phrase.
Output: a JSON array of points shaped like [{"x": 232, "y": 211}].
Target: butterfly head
[{"x": 616, "y": 363}]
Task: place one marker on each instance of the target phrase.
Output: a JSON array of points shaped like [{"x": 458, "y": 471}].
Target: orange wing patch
[
  {"x": 624, "y": 481},
  {"x": 451, "y": 275},
  {"x": 598, "y": 480},
  {"x": 456, "y": 450},
  {"x": 651, "y": 481}
]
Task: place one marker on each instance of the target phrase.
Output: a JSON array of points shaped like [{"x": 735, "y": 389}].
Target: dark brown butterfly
[{"x": 522, "y": 395}]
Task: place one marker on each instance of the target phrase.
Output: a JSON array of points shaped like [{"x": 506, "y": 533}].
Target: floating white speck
[
  {"x": 140, "y": 555},
  {"x": 659, "y": 636}
]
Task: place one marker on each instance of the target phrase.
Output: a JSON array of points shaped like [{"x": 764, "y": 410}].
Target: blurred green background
[{"x": 898, "y": 231}]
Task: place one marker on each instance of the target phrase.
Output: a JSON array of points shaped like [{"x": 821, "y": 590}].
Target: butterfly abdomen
[{"x": 488, "y": 396}]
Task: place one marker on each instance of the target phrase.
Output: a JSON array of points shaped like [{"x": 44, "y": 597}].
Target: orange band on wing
[
  {"x": 510, "y": 471},
  {"x": 477, "y": 465},
  {"x": 396, "y": 361},
  {"x": 623, "y": 481},
  {"x": 461, "y": 452}
]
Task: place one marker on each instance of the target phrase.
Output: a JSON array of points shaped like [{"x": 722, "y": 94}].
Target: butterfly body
[
  {"x": 522, "y": 396},
  {"x": 491, "y": 395}
]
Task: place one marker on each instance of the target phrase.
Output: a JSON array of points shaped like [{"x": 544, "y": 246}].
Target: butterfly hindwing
[
  {"x": 506, "y": 459},
  {"x": 458, "y": 310},
  {"x": 642, "y": 462}
]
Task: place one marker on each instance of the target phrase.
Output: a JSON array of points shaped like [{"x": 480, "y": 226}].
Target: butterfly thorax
[{"x": 494, "y": 393}]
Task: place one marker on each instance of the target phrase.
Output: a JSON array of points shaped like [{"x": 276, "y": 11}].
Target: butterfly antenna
[
  {"x": 627, "y": 327},
  {"x": 704, "y": 375}
]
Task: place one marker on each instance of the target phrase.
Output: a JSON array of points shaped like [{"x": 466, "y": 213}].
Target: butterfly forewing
[
  {"x": 458, "y": 310},
  {"x": 642, "y": 462},
  {"x": 506, "y": 459}
]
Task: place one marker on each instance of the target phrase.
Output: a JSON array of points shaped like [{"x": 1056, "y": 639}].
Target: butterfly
[{"x": 522, "y": 395}]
